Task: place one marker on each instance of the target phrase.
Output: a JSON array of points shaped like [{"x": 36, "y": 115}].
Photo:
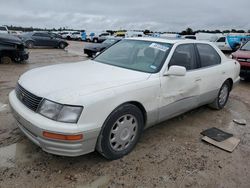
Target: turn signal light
[{"x": 62, "y": 136}]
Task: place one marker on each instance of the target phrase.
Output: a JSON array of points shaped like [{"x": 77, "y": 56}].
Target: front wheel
[
  {"x": 121, "y": 131},
  {"x": 5, "y": 60},
  {"x": 222, "y": 97},
  {"x": 62, "y": 45},
  {"x": 30, "y": 44}
]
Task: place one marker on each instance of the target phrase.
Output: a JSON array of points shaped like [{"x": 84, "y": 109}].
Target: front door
[{"x": 180, "y": 93}]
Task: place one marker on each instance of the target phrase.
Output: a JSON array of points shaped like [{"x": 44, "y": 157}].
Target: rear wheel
[
  {"x": 121, "y": 131},
  {"x": 95, "y": 40},
  {"x": 222, "y": 97}
]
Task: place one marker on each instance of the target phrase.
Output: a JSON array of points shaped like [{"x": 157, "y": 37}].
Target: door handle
[
  {"x": 198, "y": 79},
  {"x": 223, "y": 72}
]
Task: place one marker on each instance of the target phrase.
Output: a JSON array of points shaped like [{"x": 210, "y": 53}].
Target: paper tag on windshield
[{"x": 159, "y": 47}]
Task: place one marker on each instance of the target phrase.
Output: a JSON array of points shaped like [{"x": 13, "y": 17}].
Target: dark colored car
[
  {"x": 92, "y": 48},
  {"x": 12, "y": 49},
  {"x": 32, "y": 39},
  {"x": 242, "y": 55}
]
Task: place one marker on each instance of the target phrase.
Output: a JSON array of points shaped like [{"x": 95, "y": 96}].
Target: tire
[
  {"x": 5, "y": 60},
  {"x": 89, "y": 54},
  {"x": 62, "y": 45},
  {"x": 121, "y": 132},
  {"x": 68, "y": 38},
  {"x": 30, "y": 44},
  {"x": 222, "y": 97},
  {"x": 95, "y": 40}
]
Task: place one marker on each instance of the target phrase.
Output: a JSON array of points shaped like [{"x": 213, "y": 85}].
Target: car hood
[
  {"x": 241, "y": 54},
  {"x": 10, "y": 39},
  {"x": 58, "y": 82}
]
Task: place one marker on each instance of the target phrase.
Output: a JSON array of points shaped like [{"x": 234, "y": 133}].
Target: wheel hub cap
[
  {"x": 123, "y": 132},
  {"x": 223, "y": 95}
]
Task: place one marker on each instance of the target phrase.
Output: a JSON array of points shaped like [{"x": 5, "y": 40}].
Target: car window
[
  {"x": 208, "y": 55},
  {"x": 104, "y": 34},
  {"x": 222, "y": 39},
  {"x": 184, "y": 55},
  {"x": 145, "y": 56},
  {"x": 41, "y": 35},
  {"x": 2, "y": 28}
]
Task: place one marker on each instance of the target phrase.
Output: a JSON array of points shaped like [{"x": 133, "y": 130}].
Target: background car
[
  {"x": 32, "y": 39},
  {"x": 12, "y": 49},
  {"x": 66, "y": 35},
  {"x": 243, "y": 57},
  {"x": 76, "y": 35},
  {"x": 4, "y": 29},
  {"x": 100, "y": 37},
  {"x": 92, "y": 48}
]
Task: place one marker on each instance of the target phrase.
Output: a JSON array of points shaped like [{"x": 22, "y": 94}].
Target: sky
[{"x": 156, "y": 15}]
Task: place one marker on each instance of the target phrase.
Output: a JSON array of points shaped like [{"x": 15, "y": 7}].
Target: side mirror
[{"x": 176, "y": 71}]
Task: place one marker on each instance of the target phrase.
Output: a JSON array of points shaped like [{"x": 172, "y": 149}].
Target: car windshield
[
  {"x": 139, "y": 55},
  {"x": 246, "y": 47}
]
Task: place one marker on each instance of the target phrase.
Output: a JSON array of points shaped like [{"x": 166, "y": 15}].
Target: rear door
[
  {"x": 211, "y": 70},
  {"x": 180, "y": 93}
]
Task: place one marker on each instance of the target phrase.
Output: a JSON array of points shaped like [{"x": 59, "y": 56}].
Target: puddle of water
[
  {"x": 3, "y": 107},
  {"x": 100, "y": 182},
  {"x": 16, "y": 153}
]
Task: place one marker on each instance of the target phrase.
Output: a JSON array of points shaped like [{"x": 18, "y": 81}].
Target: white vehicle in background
[
  {"x": 223, "y": 44},
  {"x": 104, "y": 104},
  {"x": 76, "y": 35},
  {"x": 129, "y": 34},
  {"x": 211, "y": 37},
  {"x": 66, "y": 35},
  {"x": 189, "y": 37},
  {"x": 4, "y": 29},
  {"x": 170, "y": 35},
  {"x": 100, "y": 37}
]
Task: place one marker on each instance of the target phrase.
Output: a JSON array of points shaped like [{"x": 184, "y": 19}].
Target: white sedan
[{"x": 104, "y": 104}]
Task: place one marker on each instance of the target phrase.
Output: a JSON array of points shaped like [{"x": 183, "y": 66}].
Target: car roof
[{"x": 167, "y": 40}]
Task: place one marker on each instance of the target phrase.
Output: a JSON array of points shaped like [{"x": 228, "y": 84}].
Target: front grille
[{"x": 28, "y": 99}]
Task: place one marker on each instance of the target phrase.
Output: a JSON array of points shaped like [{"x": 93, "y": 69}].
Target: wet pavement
[{"x": 170, "y": 154}]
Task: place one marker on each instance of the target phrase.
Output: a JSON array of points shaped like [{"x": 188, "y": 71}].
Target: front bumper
[
  {"x": 21, "y": 55},
  {"x": 33, "y": 125},
  {"x": 244, "y": 69}
]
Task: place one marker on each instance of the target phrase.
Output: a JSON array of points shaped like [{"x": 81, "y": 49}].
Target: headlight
[{"x": 59, "y": 112}]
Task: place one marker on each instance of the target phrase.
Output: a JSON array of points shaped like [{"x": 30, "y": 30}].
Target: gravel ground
[{"x": 170, "y": 154}]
